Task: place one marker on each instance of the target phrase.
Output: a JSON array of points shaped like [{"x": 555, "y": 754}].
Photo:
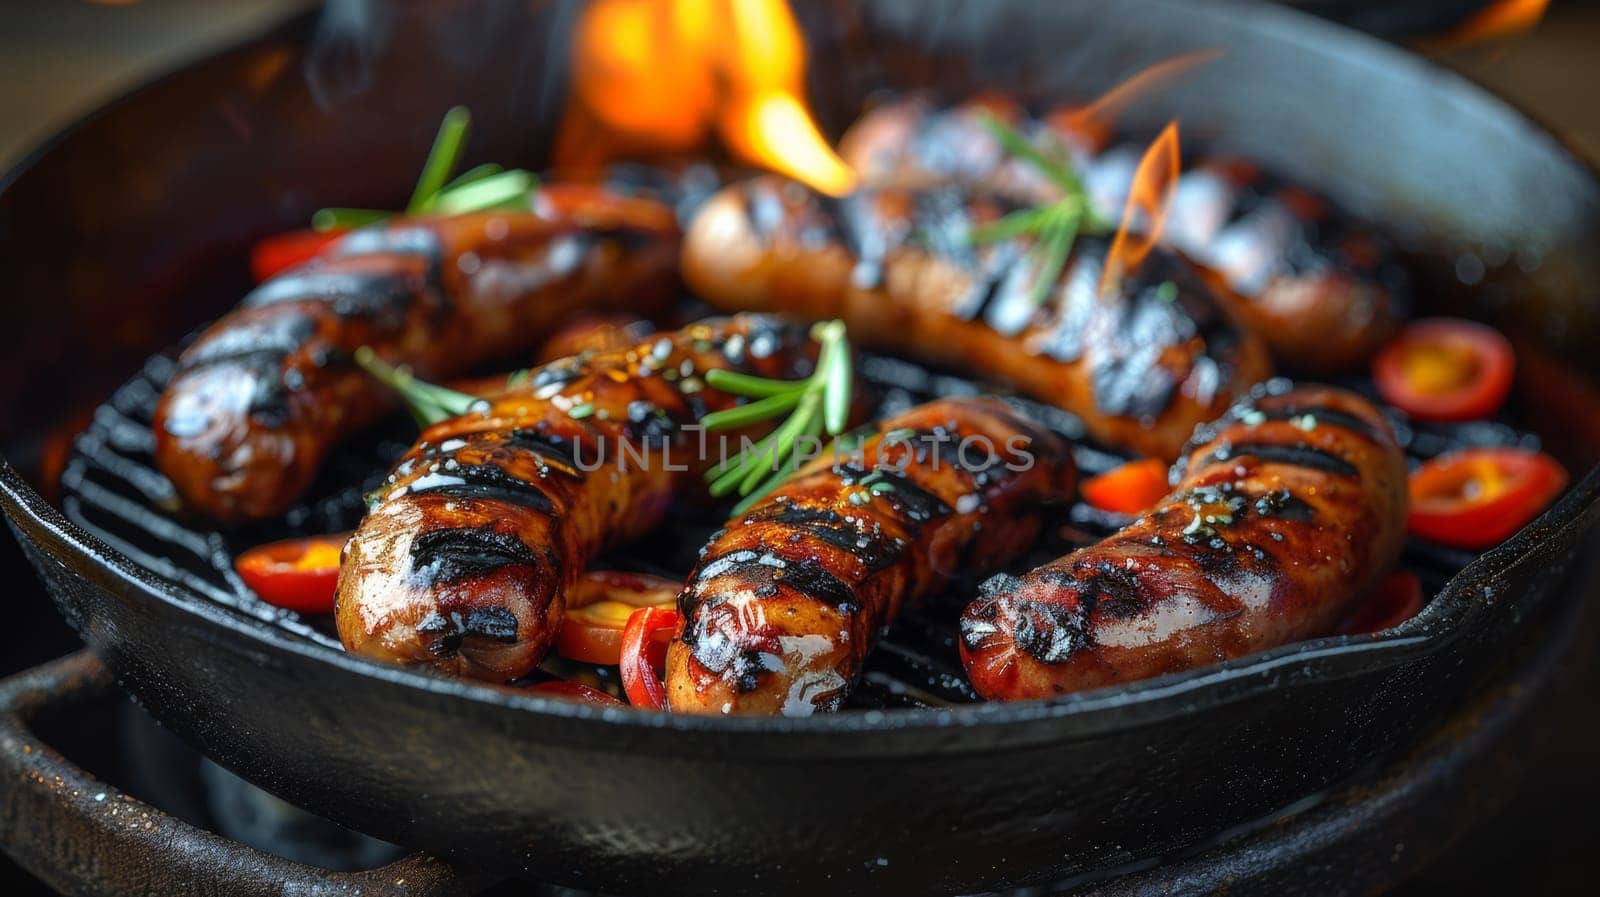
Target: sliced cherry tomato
[
  {"x": 277, "y": 254},
  {"x": 1131, "y": 488},
  {"x": 295, "y": 574},
  {"x": 1477, "y": 497},
  {"x": 639, "y": 677},
  {"x": 1395, "y": 600},
  {"x": 1444, "y": 369},
  {"x": 598, "y": 608},
  {"x": 576, "y": 691}
]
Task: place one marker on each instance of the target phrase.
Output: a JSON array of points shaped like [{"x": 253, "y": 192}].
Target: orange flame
[
  {"x": 1504, "y": 18},
  {"x": 1145, "y": 213},
  {"x": 1095, "y": 122},
  {"x": 661, "y": 76}
]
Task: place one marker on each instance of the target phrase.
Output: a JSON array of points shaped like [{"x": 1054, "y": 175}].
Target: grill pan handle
[{"x": 84, "y": 837}]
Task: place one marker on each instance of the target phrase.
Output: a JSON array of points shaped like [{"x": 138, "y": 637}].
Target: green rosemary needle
[
  {"x": 815, "y": 405},
  {"x": 439, "y": 190},
  {"x": 1054, "y": 226},
  {"x": 427, "y": 402}
]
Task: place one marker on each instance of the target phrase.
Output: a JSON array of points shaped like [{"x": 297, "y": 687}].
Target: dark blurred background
[{"x": 60, "y": 59}]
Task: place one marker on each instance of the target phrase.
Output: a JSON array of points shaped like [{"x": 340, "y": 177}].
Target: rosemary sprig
[
  {"x": 1054, "y": 226},
  {"x": 478, "y": 189},
  {"x": 427, "y": 402},
  {"x": 817, "y": 404}
]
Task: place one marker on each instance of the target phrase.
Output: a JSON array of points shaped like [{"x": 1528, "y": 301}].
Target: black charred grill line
[
  {"x": 450, "y": 555},
  {"x": 763, "y": 207},
  {"x": 349, "y": 293},
  {"x": 276, "y": 338},
  {"x": 1319, "y": 415},
  {"x": 764, "y": 570},
  {"x": 863, "y": 232},
  {"x": 483, "y": 482},
  {"x": 496, "y": 624},
  {"x": 265, "y": 347},
  {"x": 875, "y": 550},
  {"x": 1299, "y": 455},
  {"x": 413, "y": 241},
  {"x": 560, "y": 454},
  {"x": 825, "y": 524}
]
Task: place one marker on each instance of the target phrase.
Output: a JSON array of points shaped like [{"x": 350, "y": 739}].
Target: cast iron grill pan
[{"x": 914, "y": 801}]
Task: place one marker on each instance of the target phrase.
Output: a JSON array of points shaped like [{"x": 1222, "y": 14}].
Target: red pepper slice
[
  {"x": 1477, "y": 497},
  {"x": 1131, "y": 488},
  {"x": 576, "y": 691},
  {"x": 1444, "y": 369},
  {"x": 599, "y": 607},
  {"x": 639, "y": 677},
  {"x": 274, "y": 255},
  {"x": 296, "y": 574},
  {"x": 1395, "y": 600}
]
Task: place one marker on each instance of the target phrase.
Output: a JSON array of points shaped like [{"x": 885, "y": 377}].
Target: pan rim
[{"x": 1126, "y": 705}]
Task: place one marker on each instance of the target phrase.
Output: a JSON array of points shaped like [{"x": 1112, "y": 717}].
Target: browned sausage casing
[
  {"x": 1319, "y": 288},
  {"x": 787, "y": 600},
  {"x": 263, "y": 394},
  {"x": 1288, "y": 511},
  {"x": 1141, "y": 367},
  {"x": 467, "y": 552}
]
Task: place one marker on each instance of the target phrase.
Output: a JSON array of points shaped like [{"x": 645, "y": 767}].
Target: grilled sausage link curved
[
  {"x": 787, "y": 600},
  {"x": 464, "y": 560},
  {"x": 1141, "y": 368},
  {"x": 1323, "y": 291},
  {"x": 263, "y": 394},
  {"x": 1289, "y": 510}
]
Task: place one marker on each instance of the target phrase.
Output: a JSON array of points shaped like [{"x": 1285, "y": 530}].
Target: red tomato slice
[
  {"x": 576, "y": 691},
  {"x": 1475, "y": 498},
  {"x": 598, "y": 609},
  {"x": 639, "y": 677},
  {"x": 296, "y": 574},
  {"x": 1444, "y": 369},
  {"x": 1131, "y": 488},
  {"x": 1395, "y": 600},
  {"x": 274, "y": 255}
]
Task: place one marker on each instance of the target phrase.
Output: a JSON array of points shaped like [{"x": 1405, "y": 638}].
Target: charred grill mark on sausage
[
  {"x": 263, "y": 394},
  {"x": 482, "y": 482},
  {"x": 449, "y": 555},
  {"x": 790, "y": 596},
  {"x": 503, "y": 507},
  {"x": 1275, "y": 530},
  {"x": 1323, "y": 289},
  {"x": 1141, "y": 367}
]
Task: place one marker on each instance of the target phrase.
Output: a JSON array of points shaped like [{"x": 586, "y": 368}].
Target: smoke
[{"x": 345, "y": 49}]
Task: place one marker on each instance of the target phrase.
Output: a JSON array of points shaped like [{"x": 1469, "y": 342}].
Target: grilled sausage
[
  {"x": 787, "y": 600},
  {"x": 262, "y": 395},
  {"x": 1288, "y": 511},
  {"x": 594, "y": 334},
  {"x": 1323, "y": 291},
  {"x": 466, "y": 555},
  {"x": 1142, "y": 366}
]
